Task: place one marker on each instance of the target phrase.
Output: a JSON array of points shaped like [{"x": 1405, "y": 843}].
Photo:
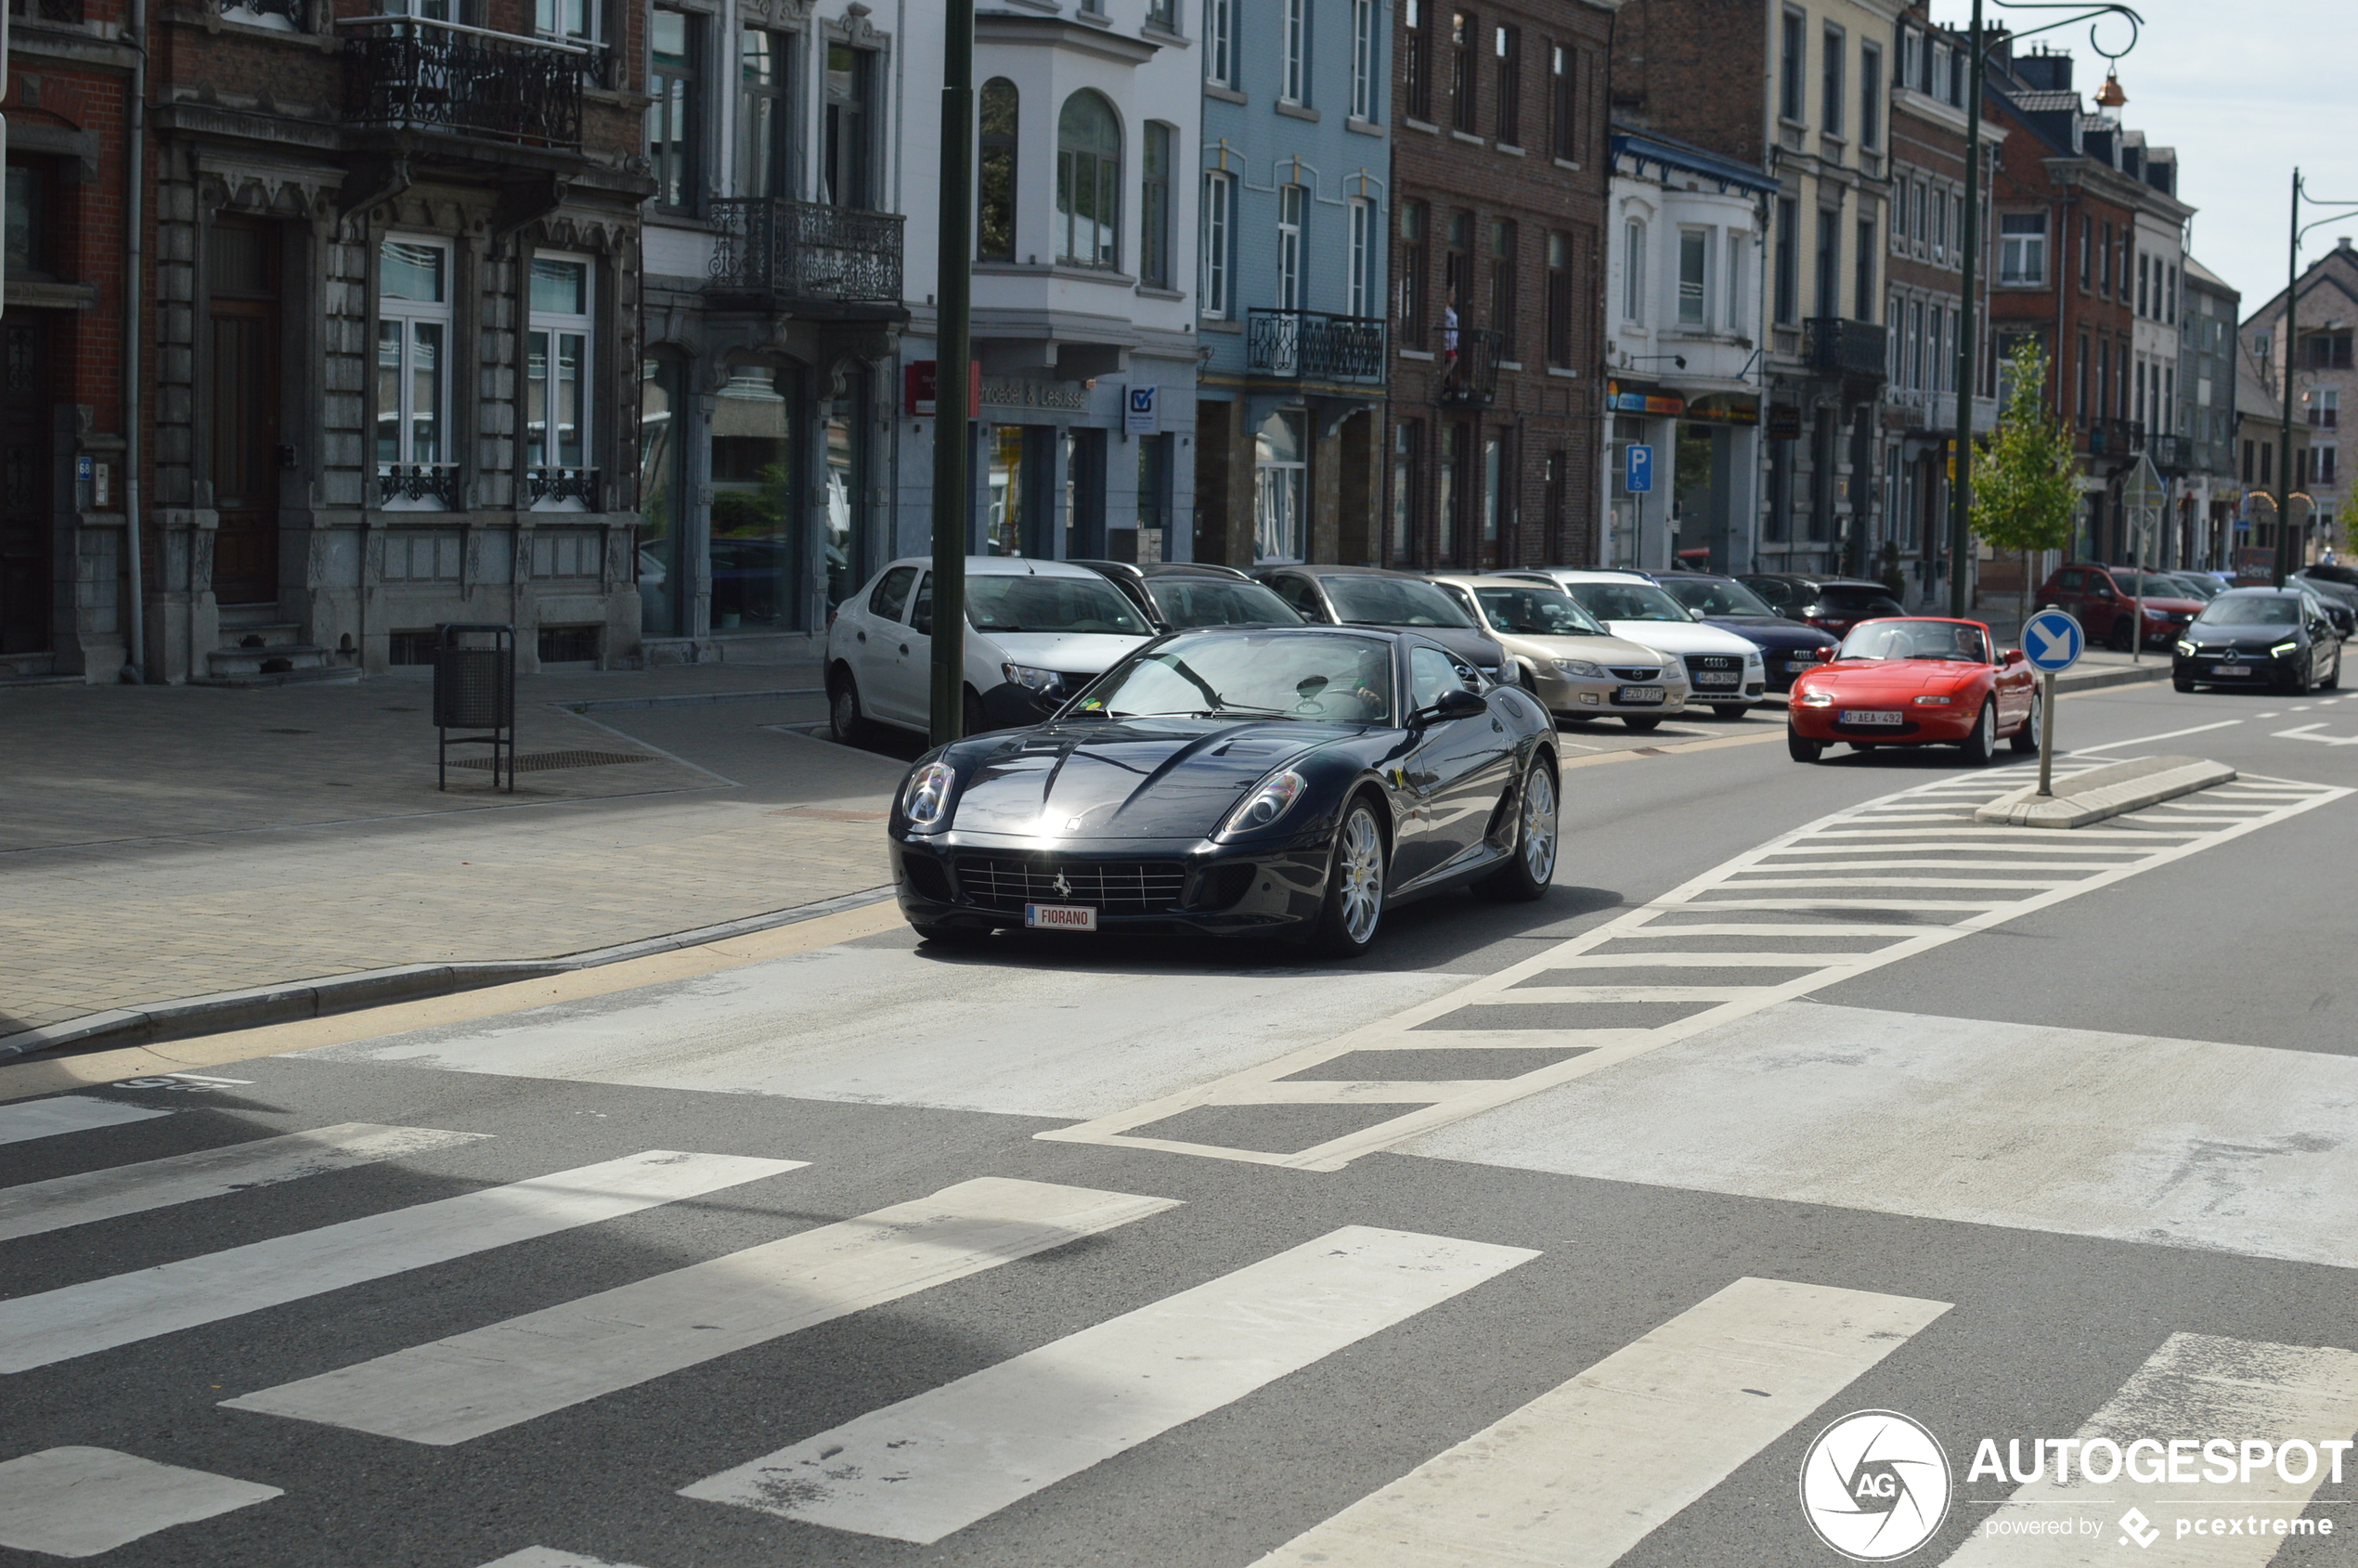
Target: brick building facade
[
  {"x": 1500, "y": 170},
  {"x": 2325, "y": 383}
]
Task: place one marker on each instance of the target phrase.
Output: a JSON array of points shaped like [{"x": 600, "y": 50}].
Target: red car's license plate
[
  {"x": 1872, "y": 715},
  {"x": 1060, "y": 917}
]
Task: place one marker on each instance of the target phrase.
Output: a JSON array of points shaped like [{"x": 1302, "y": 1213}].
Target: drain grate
[{"x": 541, "y": 761}]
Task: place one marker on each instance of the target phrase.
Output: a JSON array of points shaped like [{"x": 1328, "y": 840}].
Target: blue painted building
[{"x": 1290, "y": 291}]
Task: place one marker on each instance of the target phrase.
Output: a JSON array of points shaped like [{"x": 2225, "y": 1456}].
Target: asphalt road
[{"x": 2020, "y": 1136}]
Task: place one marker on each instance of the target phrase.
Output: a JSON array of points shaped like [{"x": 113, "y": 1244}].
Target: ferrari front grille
[{"x": 1009, "y": 882}]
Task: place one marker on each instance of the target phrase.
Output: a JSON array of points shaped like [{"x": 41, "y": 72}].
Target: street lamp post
[
  {"x": 1968, "y": 337},
  {"x": 2285, "y": 563},
  {"x": 952, "y": 351}
]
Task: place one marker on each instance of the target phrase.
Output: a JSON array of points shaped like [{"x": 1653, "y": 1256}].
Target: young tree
[{"x": 2026, "y": 483}]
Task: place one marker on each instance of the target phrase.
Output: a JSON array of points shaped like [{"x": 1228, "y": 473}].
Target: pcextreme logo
[{"x": 1875, "y": 1485}]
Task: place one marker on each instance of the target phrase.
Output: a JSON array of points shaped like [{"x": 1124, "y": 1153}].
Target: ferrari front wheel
[
  {"x": 1982, "y": 744},
  {"x": 1531, "y": 859},
  {"x": 1801, "y": 749},
  {"x": 1354, "y": 906}
]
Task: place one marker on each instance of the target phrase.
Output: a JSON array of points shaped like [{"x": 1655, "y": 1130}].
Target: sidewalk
[{"x": 165, "y": 842}]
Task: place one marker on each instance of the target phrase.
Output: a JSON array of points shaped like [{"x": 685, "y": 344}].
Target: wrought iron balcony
[
  {"x": 557, "y": 487},
  {"x": 807, "y": 251},
  {"x": 1466, "y": 363},
  {"x": 2118, "y": 439},
  {"x": 1854, "y": 351},
  {"x": 413, "y": 486},
  {"x": 1315, "y": 345},
  {"x": 2171, "y": 454},
  {"x": 413, "y": 73}
]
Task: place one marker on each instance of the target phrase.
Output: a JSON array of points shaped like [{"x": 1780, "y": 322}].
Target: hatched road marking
[{"x": 1929, "y": 829}]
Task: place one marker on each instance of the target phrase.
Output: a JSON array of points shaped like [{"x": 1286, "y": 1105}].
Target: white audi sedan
[{"x": 1723, "y": 670}]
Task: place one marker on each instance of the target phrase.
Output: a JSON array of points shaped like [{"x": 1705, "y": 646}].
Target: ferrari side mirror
[{"x": 1458, "y": 704}]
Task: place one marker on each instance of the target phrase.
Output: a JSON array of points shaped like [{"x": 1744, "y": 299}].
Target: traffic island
[{"x": 2106, "y": 792}]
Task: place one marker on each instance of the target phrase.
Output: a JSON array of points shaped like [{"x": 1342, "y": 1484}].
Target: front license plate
[
  {"x": 1872, "y": 715},
  {"x": 1646, "y": 695},
  {"x": 1060, "y": 917},
  {"x": 1716, "y": 677},
  {"x": 2233, "y": 671},
  {"x": 1794, "y": 667}
]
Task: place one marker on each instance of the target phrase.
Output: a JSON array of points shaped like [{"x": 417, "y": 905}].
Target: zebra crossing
[
  {"x": 1853, "y": 891},
  {"x": 1574, "y": 1478}
]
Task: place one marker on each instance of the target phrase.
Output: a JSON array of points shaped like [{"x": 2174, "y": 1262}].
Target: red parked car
[
  {"x": 1915, "y": 680},
  {"x": 2104, "y": 600}
]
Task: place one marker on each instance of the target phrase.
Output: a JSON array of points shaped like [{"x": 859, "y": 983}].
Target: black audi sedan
[
  {"x": 2278, "y": 639},
  {"x": 1181, "y": 594},
  {"x": 1371, "y": 596},
  {"x": 1786, "y": 647},
  {"x": 1287, "y": 783}
]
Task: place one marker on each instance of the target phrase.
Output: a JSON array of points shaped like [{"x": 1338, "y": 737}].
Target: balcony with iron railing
[
  {"x": 2172, "y": 455},
  {"x": 415, "y": 74},
  {"x": 785, "y": 250},
  {"x": 1466, "y": 367},
  {"x": 2116, "y": 440},
  {"x": 1315, "y": 345},
  {"x": 1851, "y": 351}
]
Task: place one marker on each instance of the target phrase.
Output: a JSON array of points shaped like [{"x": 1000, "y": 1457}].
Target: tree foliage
[{"x": 2026, "y": 489}]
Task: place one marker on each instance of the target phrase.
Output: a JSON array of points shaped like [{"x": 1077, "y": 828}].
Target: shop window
[
  {"x": 995, "y": 196},
  {"x": 661, "y": 377},
  {"x": 413, "y": 372},
  {"x": 673, "y": 84},
  {"x": 1006, "y": 529},
  {"x": 753, "y": 500},
  {"x": 845, "y": 454},
  {"x": 847, "y": 130},
  {"x": 1088, "y": 182},
  {"x": 1280, "y": 488},
  {"x": 1148, "y": 544},
  {"x": 557, "y": 350}
]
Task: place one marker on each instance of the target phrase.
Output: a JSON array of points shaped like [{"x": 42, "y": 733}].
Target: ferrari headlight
[
  {"x": 1936, "y": 702},
  {"x": 2284, "y": 649},
  {"x": 1266, "y": 804},
  {"x": 1040, "y": 682},
  {"x": 925, "y": 801},
  {"x": 2186, "y": 649},
  {"x": 1581, "y": 667},
  {"x": 1817, "y": 699}
]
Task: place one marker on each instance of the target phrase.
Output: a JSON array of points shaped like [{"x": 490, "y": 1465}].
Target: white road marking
[
  {"x": 79, "y": 1320},
  {"x": 66, "y": 1114},
  {"x": 494, "y": 1377},
  {"x": 1736, "y": 897},
  {"x": 2234, "y": 1150},
  {"x": 2165, "y": 735},
  {"x": 109, "y": 1194},
  {"x": 2195, "y": 1387},
  {"x": 79, "y": 1502},
  {"x": 934, "y": 1464},
  {"x": 544, "y": 1556},
  {"x": 2309, "y": 732},
  {"x": 1584, "y": 1472}
]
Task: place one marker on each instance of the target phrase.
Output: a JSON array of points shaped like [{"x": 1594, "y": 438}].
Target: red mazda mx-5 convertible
[{"x": 1915, "y": 680}]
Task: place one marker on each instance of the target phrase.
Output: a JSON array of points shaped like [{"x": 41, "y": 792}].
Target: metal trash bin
[{"x": 474, "y": 688}]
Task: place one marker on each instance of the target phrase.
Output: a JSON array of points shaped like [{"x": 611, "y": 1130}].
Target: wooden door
[
  {"x": 244, "y": 385},
  {"x": 26, "y": 460}
]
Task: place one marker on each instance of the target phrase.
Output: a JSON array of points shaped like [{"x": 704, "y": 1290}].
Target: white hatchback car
[
  {"x": 1037, "y": 631},
  {"x": 1724, "y": 669}
]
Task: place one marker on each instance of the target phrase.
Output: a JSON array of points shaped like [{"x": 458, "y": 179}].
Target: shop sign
[
  {"x": 1622, "y": 402},
  {"x": 1784, "y": 423},
  {"x": 1019, "y": 391},
  {"x": 921, "y": 377},
  {"x": 1142, "y": 411}
]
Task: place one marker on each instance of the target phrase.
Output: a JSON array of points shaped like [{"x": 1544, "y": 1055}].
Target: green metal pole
[
  {"x": 2284, "y": 462},
  {"x": 954, "y": 294},
  {"x": 1961, "y": 488}
]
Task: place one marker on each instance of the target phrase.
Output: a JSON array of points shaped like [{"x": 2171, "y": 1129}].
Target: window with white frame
[
  {"x": 575, "y": 21},
  {"x": 1220, "y": 42},
  {"x": 1363, "y": 59},
  {"x": 1294, "y": 80},
  {"x": 1219, "y": 236},
  {"x": 557, "y": 365},
  {"x": 1737, "y": 318},
  {"x": 1292, "y": 203},
  {"x": 1633, "y": 273},
  {"x": 1363, "y": 257},
  {"x": 2021, "y": 247},
  {"x": 413, "y": 358},
  {"x": 1694, "y": 266}
]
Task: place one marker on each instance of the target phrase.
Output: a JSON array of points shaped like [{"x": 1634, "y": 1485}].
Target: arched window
[
  {"x": 1088, "y": 182},
  {"x": 995, "y": 213}
]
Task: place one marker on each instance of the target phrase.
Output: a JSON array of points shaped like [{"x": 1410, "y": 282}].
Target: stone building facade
[
  {"x": 1501, "y": 161},
  {"x": 2325, "y": 383}
]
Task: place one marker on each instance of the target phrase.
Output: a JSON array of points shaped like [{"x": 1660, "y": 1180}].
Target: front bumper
[
  {"x": 2251, "y": 670},
  {"x": 1583, "y": 696},
  {"x": 1918, "y": 726},
  {"x": 982, "y": 881}
]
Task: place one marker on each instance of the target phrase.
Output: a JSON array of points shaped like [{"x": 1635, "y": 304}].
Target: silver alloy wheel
[
  {"x": 1360, "y": 865},
  {"x": 845, "y": 717},
  {"x": 1539, "y": 825},
  {"x": 1989, "y": 726},
  {"x": 2034, "y": 725}
]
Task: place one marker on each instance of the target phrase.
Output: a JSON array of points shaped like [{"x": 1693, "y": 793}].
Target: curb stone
[{"x": 2106, "y": 792}]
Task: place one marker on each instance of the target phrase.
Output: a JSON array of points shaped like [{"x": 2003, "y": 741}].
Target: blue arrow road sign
[
  {"x": 2051, "y": 642},
  {"x": 1642, "y": 469}
]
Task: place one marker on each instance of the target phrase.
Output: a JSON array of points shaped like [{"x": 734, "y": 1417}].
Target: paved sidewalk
[{"x": 164, "y": 842}]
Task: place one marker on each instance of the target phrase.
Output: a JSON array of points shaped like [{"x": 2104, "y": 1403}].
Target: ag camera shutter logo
[{"x": 1875, "y": 1485}]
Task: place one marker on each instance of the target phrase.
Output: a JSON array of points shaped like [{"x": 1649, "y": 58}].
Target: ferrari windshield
[
  {"x": 998, "y": 601},
  {"x": 1627, "y": 602},
  {"x": 1330, "y": 678},
  {"x": 1536, "y": 611},
  {"x": 1918, "y": 639},
  {"x": 1716, "y": 596},
  {"x": 2254, "y": 609},
  {"x": 1391, "y": 602},
  {"x": 1190, "y": 602}
]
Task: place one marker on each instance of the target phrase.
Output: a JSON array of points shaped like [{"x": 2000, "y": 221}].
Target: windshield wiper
[{"x": 1231, "y": 711}]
